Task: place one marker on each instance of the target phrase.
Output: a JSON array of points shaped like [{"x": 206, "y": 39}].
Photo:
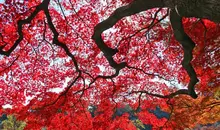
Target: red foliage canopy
[{"x": 51, "y": 70}]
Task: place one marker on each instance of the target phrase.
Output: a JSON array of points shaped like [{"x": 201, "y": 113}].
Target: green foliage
[
  {"x": 138, "y": 123},
  {"x": 13, "y": 124},
  {"x": 217, "y": 94}
]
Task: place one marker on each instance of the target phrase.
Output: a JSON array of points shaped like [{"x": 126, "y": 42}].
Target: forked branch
[
  {"x": 176, "y": 21},
  {"x": 130, "y": 9}
]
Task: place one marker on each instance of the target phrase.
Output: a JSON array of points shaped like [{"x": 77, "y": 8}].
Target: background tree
[
  {"x": 11, "y": 123},
  {"x": 60, "y": 57}
]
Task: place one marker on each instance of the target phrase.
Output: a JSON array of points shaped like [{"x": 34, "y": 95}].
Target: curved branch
[
  {"x": 56, "y": 41},
  {"x": 130, "y": 9},
  {"x": 176, "y": 21},
  {"x": 20, "y": 23},
  {"x": 188, "y": 45}
]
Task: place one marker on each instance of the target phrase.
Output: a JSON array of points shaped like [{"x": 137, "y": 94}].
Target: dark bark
[
  {"x": 133, "y": 8},
  {"x": 188, "y": 45},
  {"x": 209, "y": 9},
  {"x": 41, "y": 7}
]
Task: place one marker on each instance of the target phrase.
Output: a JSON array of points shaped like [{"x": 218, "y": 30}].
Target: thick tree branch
[
  {"x": 188, "y": 45},
  {"x": 20, "y": 23},
  {"x": 133, "y": 8},
  {"x": 55, "y": 38},
  {"x": 43, "y": 6},
  {"x": 176, "y": 21}
]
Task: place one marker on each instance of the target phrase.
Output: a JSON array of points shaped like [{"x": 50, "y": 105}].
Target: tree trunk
[{"x": 209, "y": 9}]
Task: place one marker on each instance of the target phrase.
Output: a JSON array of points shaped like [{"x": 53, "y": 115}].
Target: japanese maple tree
[{"x": 114, "y": 64}]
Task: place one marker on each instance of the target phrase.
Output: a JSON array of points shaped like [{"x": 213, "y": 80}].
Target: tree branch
[
  {"x": 20, "y": 23},
  {"x": 179, "y": 92},
  {"x": 188, "y": 45},
  {"x": 176, "y": 21},
  {"x": 56, "y": 41},
  {"x": 130, "y": 9}
]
